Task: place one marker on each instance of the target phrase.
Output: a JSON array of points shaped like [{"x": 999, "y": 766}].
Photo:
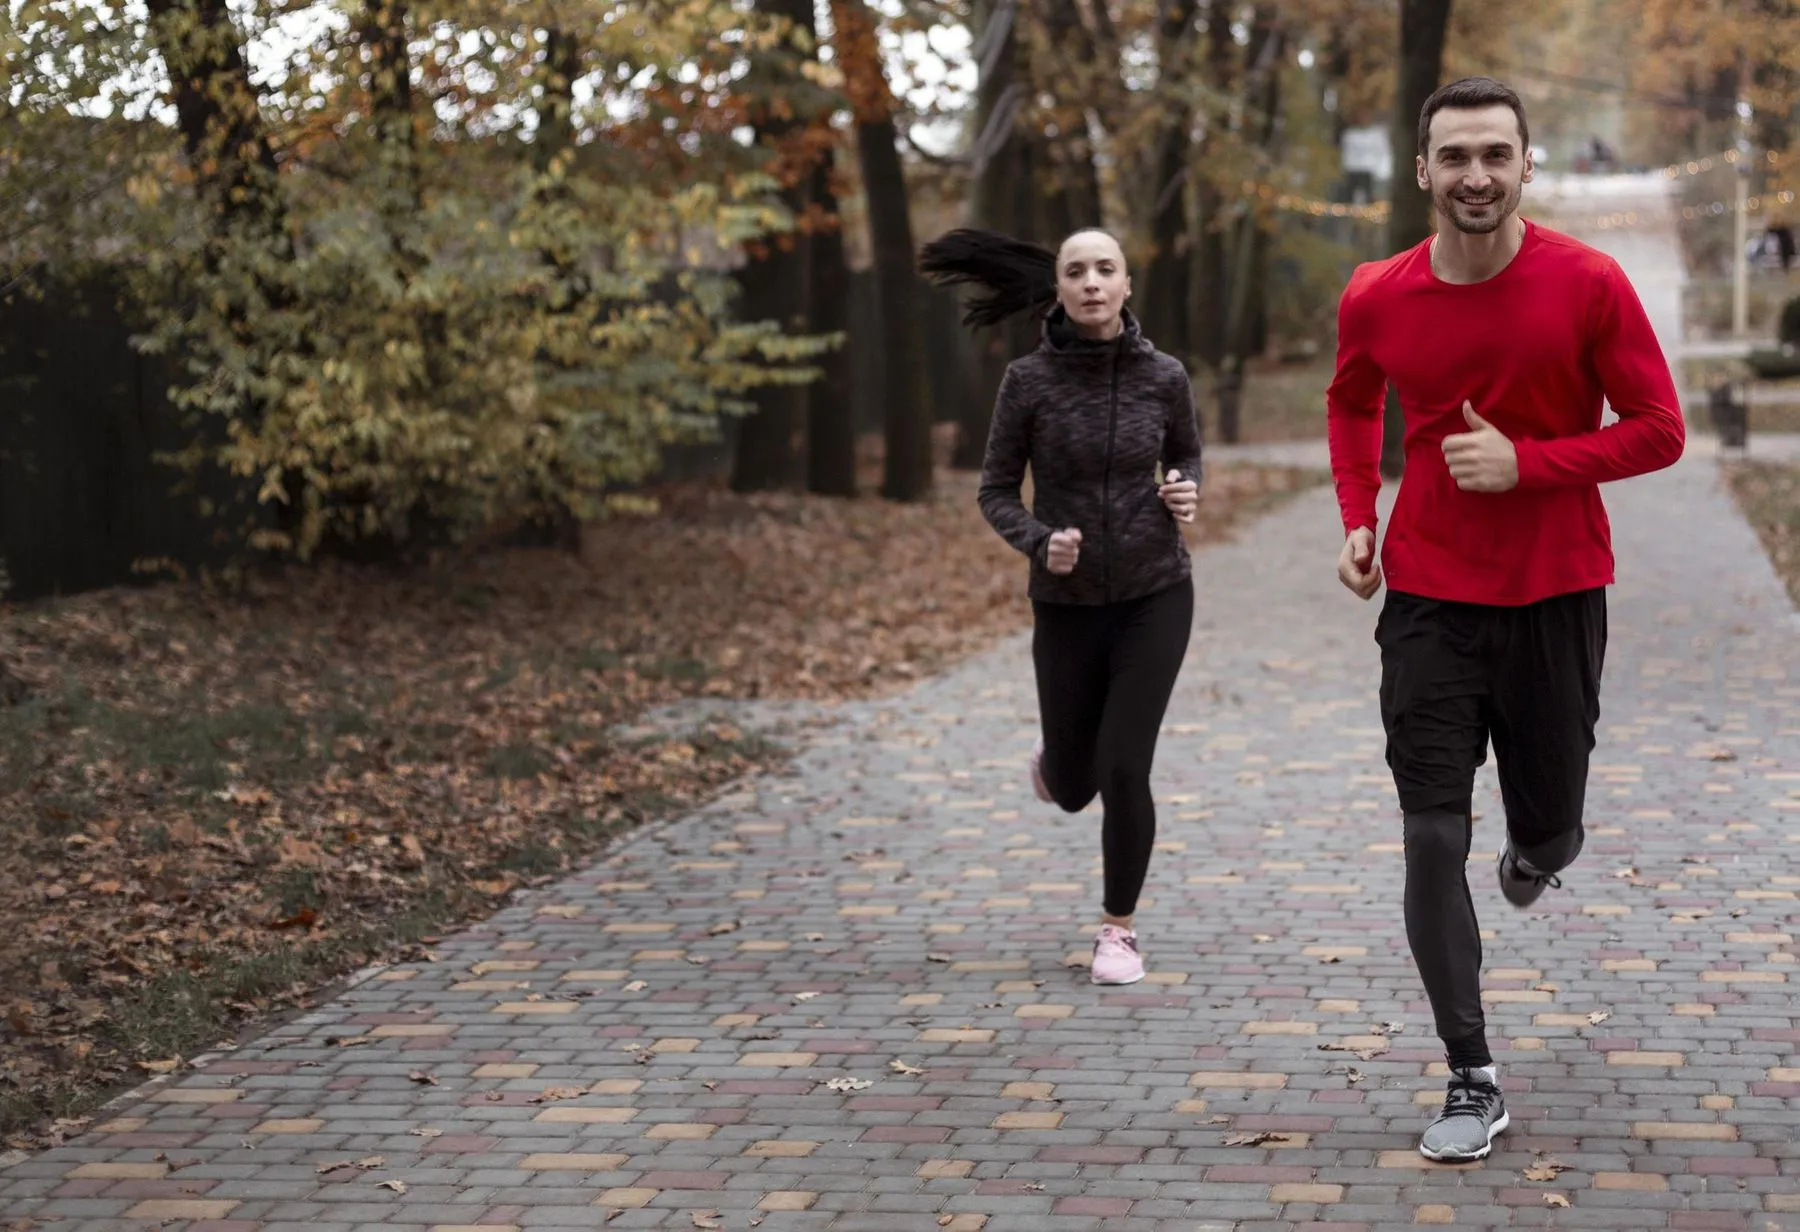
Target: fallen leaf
[
  {"x": 1598, "y": 1017},
  {"x": 551, "y": 1094},
  {"x": 161, "y": 1067},
  {"x": 636, "y": 986},
  {"x": 805, "y": 996},
  {"x": 723, "y": 927},
  {"x": 1556, "y": 1200},
  {"x": 1354, "y": 1075},
  {"x": 398, "y": 1187},
  {"x": 849, "y": 1084},
  {"x": 423, "y": 1078},
  {"x": 706, "y": 1219},
  {"x": 901, "y": 1067},
  {"x": 937, "y": 956},
  {"x": 1545, "y": 1169},
  {"x": 1261, "y": 937},
  {"x": 1255, "y": 1139},
  {"x": 425, "y": 1131},
  {"x": 366, "y": 1163}
]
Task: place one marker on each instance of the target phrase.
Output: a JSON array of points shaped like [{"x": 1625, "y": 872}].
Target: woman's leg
[
  {"x": 1148, "y": 644},
  {"x": 1068, "y": 649}
]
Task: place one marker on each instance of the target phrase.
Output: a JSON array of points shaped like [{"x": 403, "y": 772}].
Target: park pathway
[{"x": 851, "y": 996}]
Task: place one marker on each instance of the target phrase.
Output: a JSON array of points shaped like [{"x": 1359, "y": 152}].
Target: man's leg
[
  {"x": 1546, "y": 703},
  {"x": 1432, "y": 695},
  {"x": 1433, "y": 700}
]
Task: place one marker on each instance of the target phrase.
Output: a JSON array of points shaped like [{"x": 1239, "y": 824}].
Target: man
[{"x": 1502, "y": 340}]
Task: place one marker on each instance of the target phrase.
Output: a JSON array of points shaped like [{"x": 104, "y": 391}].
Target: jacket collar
[{"x": 1059, "y": 338}]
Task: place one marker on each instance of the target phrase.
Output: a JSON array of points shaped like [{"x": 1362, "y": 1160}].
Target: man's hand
[
  {"x": 1182, "y": 496},
  {"x": 1356, "y": 563},
  {"x": 1063, "y": 551},
  {"x": 1481, "y": 460}
]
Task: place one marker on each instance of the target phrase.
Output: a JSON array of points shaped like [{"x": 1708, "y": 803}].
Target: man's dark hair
[{"x": 1468, "y": 94}]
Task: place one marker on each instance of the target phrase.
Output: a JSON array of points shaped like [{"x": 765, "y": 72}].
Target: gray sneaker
[
  {"x": 1519, "y": 882},
  {"x": 1474, "y": 1115}
]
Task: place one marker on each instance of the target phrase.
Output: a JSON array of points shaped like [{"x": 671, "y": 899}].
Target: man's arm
[
  {"x": 1635, "y": 378},
  {"x": 1003, "y": 472},
  {"x": 1353, "y": 405}
]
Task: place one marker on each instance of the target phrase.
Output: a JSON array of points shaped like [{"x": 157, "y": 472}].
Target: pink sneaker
[
  {"x": 1037, "y": 773},
  {"x": 1116, "y": 957}
]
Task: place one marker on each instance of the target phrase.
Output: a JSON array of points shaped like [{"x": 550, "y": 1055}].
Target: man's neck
[{"x": 1461, "y": 258}]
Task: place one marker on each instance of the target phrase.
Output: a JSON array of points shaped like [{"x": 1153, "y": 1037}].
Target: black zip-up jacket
[{"x": 1092, "y": 419}]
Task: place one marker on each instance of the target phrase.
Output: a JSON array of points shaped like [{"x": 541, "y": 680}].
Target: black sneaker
[
  {"x": 1474, "y": 1115},
  {"x": 1521, "y": 883}
]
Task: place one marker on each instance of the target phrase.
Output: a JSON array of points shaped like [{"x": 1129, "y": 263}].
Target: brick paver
[{"x": 850, "y": 997}]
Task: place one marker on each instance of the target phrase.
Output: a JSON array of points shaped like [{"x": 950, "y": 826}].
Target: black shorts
[{"x": 1455, "y": 674}]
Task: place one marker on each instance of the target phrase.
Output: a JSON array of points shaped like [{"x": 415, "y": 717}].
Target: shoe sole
[
  {"x": 1094, "y": 979},
  {"x": 1446, "y": 1157}
]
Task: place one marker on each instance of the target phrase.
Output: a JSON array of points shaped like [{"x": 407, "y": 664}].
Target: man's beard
[{"x": 1496, "y": 213}]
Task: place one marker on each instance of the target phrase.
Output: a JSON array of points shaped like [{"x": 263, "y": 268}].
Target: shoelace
[
  {"x": 1549, "y": 879},
  {"x": 1470, "y": 1097}
]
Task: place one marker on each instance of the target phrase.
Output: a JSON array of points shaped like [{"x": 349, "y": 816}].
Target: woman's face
[{"x": 1091, "y": 282}]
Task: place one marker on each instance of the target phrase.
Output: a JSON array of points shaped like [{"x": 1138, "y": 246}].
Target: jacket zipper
[{"x": 1112, "y": 424}]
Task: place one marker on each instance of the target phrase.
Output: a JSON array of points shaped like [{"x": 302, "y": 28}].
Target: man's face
[{"x": 1475, "y": 168}]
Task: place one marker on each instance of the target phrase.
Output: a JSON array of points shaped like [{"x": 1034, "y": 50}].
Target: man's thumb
[{"x": 1471, "y": 418}]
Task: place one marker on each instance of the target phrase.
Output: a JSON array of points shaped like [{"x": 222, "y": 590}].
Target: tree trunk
[
  {"x": 996, "y": 154},
  {"x": 1072, "y": 153},
  {"x": 389, "y": 85},
  {"x": 222, "y": 130},
  {"x": 830, "y": 407},
  {"x": 1211, "y": 278},
  {"x": 774, "y": 278},
  {"x": 1262, "y": 97},
  {"x": 1165, "y": 302},
  {"x": 1422, "y": 27},
  {"x": 907, "y": 468}
]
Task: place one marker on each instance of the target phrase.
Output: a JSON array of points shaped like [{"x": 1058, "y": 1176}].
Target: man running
[{"x": 1503, "y": 341}]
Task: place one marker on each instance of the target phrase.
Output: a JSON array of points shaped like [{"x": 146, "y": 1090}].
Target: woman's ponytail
[{"x": 1017, "y": 275}]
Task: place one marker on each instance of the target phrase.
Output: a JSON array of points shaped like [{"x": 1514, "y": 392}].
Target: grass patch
[{"x": 1768, "y": 493}]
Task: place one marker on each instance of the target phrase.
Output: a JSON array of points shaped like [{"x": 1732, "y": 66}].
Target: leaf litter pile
[{"x": 215, "y": 802}]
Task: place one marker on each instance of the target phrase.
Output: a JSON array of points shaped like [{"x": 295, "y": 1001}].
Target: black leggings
[{"x": 1104, "y": 675}]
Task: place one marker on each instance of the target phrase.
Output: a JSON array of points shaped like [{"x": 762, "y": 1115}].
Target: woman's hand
[
  {"x": 1182, "y": 496},
  {"x": 1063, "y": 551}
]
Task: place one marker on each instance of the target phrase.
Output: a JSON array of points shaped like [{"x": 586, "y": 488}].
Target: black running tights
[{"x": 1104, "y": 676}]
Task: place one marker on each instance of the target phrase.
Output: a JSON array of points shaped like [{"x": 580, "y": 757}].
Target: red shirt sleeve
[
  {"x": 1635, "y": 378},
  {"x": 1353, "y": 406}
]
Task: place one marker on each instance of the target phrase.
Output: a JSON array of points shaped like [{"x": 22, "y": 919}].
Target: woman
[{"x": 1097, "y": 413}]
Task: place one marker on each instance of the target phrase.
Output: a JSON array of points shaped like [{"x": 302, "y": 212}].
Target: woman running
[{"x": 1097, "y": 413}]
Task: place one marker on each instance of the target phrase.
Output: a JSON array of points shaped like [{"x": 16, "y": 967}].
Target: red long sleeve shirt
[{"x": 1537, "y": 350}]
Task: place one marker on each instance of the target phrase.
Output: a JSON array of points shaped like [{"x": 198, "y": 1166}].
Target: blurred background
[{"x": 367, "y": 275}]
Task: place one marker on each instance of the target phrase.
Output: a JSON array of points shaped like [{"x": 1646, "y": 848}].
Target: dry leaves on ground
[{"x": 215, "y": 801}]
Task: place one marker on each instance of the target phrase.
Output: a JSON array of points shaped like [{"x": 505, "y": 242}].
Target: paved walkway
[{"x": 851, "y": 997}]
